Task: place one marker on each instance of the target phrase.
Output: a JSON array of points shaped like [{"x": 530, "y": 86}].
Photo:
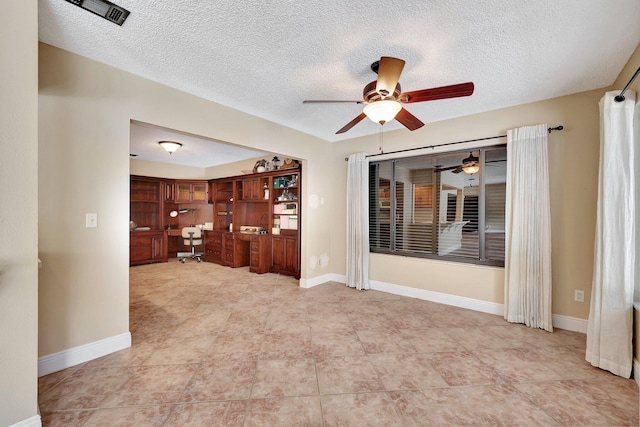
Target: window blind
[{"x": 426, "y": 206}]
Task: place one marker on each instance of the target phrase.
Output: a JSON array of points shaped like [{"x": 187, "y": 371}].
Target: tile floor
[{"x": 214, "y": 346}]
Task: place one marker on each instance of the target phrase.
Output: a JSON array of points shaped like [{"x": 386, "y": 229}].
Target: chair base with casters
[{"x": 192, "y": 237}]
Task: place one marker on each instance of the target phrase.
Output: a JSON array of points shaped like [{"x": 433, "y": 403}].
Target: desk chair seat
[{"x": 192, "y": 237}]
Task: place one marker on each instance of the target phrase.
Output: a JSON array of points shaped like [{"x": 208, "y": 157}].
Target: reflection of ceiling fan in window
[{"x": 470, "y": 165}]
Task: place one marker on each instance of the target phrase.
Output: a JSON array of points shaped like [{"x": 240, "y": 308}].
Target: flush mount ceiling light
[
  {"x": 103, "y": 8},
  {"x": 470, "y": 164},
  {"x": 382, "y": 111},
  {"x": 170, "y": 146}
]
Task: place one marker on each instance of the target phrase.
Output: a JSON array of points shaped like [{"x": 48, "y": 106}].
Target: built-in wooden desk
[{"x": 236, "y": 249}]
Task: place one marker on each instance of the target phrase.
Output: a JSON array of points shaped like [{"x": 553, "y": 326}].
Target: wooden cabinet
[
  {"x": 260, "y": 254},
  {"x": 146, "y": 247},
  {"x": 213, "y": 246},
  {"x": 222, "y": 197},
  {"x": 144, "y": 202},
  {"x": 285, "y": 209},
  {"x": 286, "y": 258},
  {"x": 254, "y": 188},
  {"x": 168, "y": 191},
  {"x": 191, "y": 191}
]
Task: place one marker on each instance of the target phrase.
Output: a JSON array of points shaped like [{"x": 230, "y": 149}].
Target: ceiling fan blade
[
  {"x": 409, "y": 121},
  {"x": 389, "y": 72},
  {"x": 326, "y": 101},
  {"x": 443, "y": 92},
  {"x": 352, "y": 123}
]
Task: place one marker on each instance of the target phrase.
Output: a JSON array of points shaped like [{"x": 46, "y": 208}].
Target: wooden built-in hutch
[{"x": 248, "y": 220}]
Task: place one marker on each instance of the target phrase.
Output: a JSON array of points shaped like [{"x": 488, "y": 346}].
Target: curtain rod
[
  {"x": 558, "y": 128},
  {"x": 620, "y": 97}
]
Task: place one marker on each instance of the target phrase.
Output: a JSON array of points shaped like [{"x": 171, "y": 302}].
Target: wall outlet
[
  {"x": 578, "y": 296},
  {"x": 91, "y": 220}
]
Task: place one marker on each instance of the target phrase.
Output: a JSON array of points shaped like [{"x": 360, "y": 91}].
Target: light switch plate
[{"x": 91, "y": 220}]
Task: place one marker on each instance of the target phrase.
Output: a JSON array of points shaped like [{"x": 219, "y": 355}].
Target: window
[{"x": 427, "y": 206}]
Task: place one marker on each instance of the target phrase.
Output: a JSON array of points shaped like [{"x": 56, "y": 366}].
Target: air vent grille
[
  {"x": 115, "y": 14},
  {"x": 103, "y": 8}
]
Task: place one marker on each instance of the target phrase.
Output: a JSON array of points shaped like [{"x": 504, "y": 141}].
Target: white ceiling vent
[{"x": 106, "y": 9}]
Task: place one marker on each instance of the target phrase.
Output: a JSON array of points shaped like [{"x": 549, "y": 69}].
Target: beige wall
[
  {"x": 165, "y": 170},
  {"x": 573, "y": 199},
  {"x": 18, "y": 211},
  {"x": 85, "y": 111}
]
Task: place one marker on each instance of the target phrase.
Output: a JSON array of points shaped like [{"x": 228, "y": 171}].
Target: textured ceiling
[{"x": 265, "y": 58}]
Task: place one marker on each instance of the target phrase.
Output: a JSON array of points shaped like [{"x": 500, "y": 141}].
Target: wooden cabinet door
[
  {"x": 146, "y": 247},
  {"x": 199, "y": 192},
  {"x": 251, "y": 189},
  {"x": 291, "y": 255},
  {"x": 213, "y": 246},
  {"x": 278, "y": 253},
  {"x": 183, "y": 192},
  {"x": 191, "y": 191},
  {"x": 157, "y": 247},
  {"x": 168, "y": 191},
  {"x": 228, "y": 249}
]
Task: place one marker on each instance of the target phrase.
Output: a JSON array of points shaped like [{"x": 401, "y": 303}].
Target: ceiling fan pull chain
[{"x": 381, "y": 140}]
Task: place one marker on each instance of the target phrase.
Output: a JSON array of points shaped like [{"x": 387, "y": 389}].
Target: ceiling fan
[{"x": 383, "y": 98}]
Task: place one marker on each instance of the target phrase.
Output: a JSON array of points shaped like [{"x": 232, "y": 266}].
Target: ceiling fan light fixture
[
  {"x": 170, "y": 146},
  {"x": 382, "y": 111},
  {"x": 470, "y": 170},
  {"x": 470, "y": 165}
]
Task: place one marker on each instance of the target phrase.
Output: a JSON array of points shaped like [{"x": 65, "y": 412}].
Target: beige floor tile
[
  {"x": 220, "y": 380},
  {"x": 519, "y": 364},
  {"x": 363, "y": 409},
  {"x": 468, "y": 406},
  {"x": 285, "y": 412},
  {"x": 267, "y": 352},
  {"x": 286, "y": 346},
  {"x": 234, "y": 346},
  {"x": 210, "y": 414},
  {"x": 329, "y": 322},
  {"x": 140, "y": 416},
  {"x": 283, "y": 378},
  {"x": 586, "y": 402},
  {"x": 336, "y": 344},
  {"x": 85, "y": 388},
  {"x": 384, "y": 341},
  {"x": 292, "y": 323},
  {"x": 431, "y": 340},
  {"x": 462, "y": 369},
  {"x": 152, "y": 385},
  {"x": 347, "y": 375},
  {"x": 181, "y": 350},
  {"x": 406, "y": 371},
  {"x": 66, "y": 418}
]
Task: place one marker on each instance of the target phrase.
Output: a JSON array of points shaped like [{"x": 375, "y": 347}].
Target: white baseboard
[
  {"x": 439, "y": 297},
  {"x": 570, "y": 323},
  {"x": 319, "y": 280},
  {"x": 559, "y": 321},
  {"x": 636, "y": 371},
  {"x": 83, "y": 353},
  {"x": 34, "y": 421}
]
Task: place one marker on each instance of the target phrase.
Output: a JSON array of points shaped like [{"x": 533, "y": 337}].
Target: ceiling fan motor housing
[{"x": 370, "y": 94}]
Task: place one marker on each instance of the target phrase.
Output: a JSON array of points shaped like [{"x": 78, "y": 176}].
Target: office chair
[{"x": 192, "y": 237}]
